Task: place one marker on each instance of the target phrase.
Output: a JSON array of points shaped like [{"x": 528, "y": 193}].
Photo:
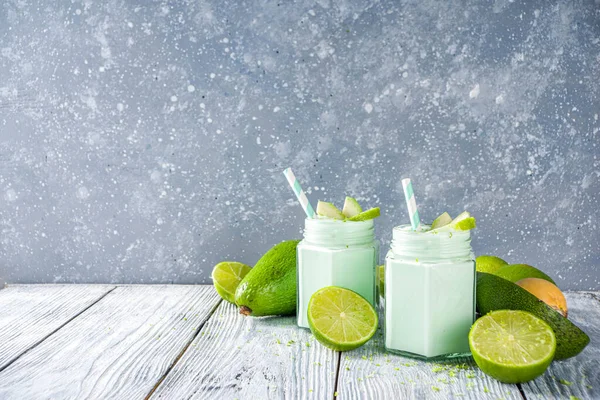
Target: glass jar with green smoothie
[
  {"x": 338, "y": 249},
  {"x": 429, "y": 294},
  {"x": 429, "y": 278}
]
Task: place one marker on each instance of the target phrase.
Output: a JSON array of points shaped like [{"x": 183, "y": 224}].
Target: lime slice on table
[
  {"x": 512, "y": 346},
  {"x": 226, "y": 277},
  {"x": 340, "y": 318}
]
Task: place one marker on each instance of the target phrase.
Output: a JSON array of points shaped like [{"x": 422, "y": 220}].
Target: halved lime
[
  {"x": 341, "y": 319},
  {"x": 226, "y": 277},
  {"x": 366, "y": 215},
  {"x": 512, "y": 346}
]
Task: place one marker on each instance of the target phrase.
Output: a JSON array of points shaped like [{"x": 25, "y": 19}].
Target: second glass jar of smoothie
[
  {"x": 335, "y": 253},
  {"x": 429, "y": 298}
]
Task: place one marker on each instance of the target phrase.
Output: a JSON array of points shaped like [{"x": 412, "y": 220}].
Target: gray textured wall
[{"x": 144, "y": 141}]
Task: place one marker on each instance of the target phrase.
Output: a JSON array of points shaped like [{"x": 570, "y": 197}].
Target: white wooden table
[{"x": 182, "y": 342}]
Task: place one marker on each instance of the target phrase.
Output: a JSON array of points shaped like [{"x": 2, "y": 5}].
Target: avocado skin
[
  {"x": 495, "y": 293},
  {"x": 270, "y": 287}
]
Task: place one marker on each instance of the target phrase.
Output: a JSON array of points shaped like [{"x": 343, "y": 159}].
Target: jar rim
[
  {"x": 406, "y": 231},
  {"x": 428, "y": 245},
  {"x": 337, "y": 221},
  {"x": 338, "y": 232}
]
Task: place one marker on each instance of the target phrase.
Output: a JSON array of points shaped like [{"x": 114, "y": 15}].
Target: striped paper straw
[
  {"x": 411, "y": 204},
  {"x": 291, "y": 178}
]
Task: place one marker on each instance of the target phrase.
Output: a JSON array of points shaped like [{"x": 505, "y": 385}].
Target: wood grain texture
[
  {"x": 578, "y": 376},
  {"x": 117, "y": 349},
  {"x": 237, "y": 357},
  {"x": 371, "y": 373},
  {"x": 29, "y": 313}
]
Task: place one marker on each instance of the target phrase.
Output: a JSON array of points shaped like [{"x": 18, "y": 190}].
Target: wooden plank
[
  {"x": 371, "y": 373},
  {"x": 118, "y": 349},
  {"x": 30, "y": 313},
  {"x": 251, "y": 358},
  {"x": 578, "y": 376}
]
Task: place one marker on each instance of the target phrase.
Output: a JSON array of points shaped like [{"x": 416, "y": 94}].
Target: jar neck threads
[
  {"x": 336, "y": 233},
  {"x": 430, "y": 246}
]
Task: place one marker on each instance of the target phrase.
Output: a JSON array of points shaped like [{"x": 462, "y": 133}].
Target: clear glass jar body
[
  {"x": 335, "y": 253},
  {"x": 429, "y": 296}
]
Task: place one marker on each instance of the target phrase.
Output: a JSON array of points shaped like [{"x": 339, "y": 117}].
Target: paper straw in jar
[
  {"x": 411, "y": 204},
  {"x": 291, "y": 178}
]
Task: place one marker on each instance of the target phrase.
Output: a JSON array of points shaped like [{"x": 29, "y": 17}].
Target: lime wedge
[
  {"x": 340, "y": 318},
  {"x": 366, "y": 215},
  {"x": 226, "y": 277},
  {"x": 512, "y": 346},
  {"x": 442, "y": 220},
  {"x": 351, "y": 207},
  {"x": 463, "y": 222},
  {"x": 329, "y": 210}
]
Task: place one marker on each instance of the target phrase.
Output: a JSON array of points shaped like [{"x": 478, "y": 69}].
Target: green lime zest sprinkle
[
  {"x": 565, "y": 382},
  {"x": 437, "y": 389}
]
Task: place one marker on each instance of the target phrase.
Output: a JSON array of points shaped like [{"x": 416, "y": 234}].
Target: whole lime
[{"x": 489, "y": 264}]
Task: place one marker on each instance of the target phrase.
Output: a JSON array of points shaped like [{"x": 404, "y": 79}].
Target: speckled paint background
[{"x": 144, "y": 141}]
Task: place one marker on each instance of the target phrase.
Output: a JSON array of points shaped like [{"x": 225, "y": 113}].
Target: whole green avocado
[{"x": 270, "y": 287}]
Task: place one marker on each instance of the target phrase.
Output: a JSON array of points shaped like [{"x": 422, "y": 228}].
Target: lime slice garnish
[
  {"x": 442, "y": 220},
  {"x": 226, "y": 277},
  {"x": 329, "y": 210},
  {"x": 366, "y": 215},
  {"x": 340, "y": 318},
  {"x": 463, "y": 222},
  {"x": 351, "y": 207},
  {"x": 512, "y": 346}
]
